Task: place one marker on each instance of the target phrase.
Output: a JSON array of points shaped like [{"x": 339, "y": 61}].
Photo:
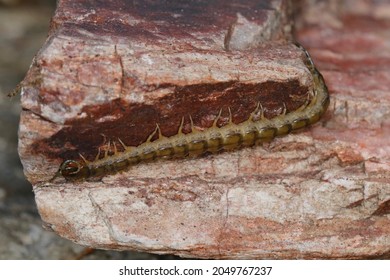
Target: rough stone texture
[
  {"x": 105, "y": 73},
  {"x": 117, "y": 70},
  {"x": 349, "y": 41},
  {"x": 23, "y": 29}
]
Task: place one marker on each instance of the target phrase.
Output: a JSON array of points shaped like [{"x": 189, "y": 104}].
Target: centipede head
[{"x": 73, "y": 170}]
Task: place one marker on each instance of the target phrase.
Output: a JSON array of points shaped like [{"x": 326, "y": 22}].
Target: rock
[
  {"x": 21, "y": 233},
  {"x": 113, "y": 70}
]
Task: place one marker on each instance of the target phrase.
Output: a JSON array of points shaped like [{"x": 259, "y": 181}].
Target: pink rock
[{"x": 116, "y": 69}]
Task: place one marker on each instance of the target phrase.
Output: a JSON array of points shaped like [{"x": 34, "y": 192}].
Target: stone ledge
[{"x": 320, "y": 193}]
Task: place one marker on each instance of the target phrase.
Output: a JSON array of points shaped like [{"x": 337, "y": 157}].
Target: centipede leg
[
  {"x": 123, "y": 145},
  {"x": 230, "y": 116},
  {"x": 192, "y": 124},
  {"x": 284, "y": 109},
  {"x": 254, "y": 113},
  {"x": 98, "y": 154},
  {"x": 84, "y": 159},
  {"x": 160, "y": 136},
  {"x": 217, "y": 118},
  {"x": 115, "y": 148},
  {"x": 261, "y": 111},
  {"x": 107, "y": 149},
  {"x": 180, "y": 130},
  {"x": 153, "y": 133}
]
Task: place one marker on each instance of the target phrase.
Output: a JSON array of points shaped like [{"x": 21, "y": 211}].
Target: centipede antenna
[
  {"x": 123, "y": 144},
  {"x": 180, "y": 130},
  {"x": 217, "y": 118},
  {"x": 309, "y": 59},
  {"x": 311, "y": 62},
  {"x": 83, "y": 158},
  {"x": 230, "y": 115},
  {"x": 58, "y": 174},
  {"x": 15, "y": 91}
]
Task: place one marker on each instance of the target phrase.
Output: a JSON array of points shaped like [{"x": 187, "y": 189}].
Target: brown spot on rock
[
  {"x": 383, "y": 209},
  {"x": 133, "y": 123}
]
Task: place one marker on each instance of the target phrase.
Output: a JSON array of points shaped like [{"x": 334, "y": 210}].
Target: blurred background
[{"x": 24, "y": 25}]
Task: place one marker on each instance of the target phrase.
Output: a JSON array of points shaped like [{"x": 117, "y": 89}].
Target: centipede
[{"x": 255, "y": 130}]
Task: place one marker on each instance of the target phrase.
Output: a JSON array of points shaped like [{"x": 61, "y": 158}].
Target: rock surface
[
  {"x": 117, "y": 70},
  {"x": 23, "y": 29}
]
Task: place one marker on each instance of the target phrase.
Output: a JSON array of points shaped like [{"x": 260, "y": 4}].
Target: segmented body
[{"x": 213, "y": 139}]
